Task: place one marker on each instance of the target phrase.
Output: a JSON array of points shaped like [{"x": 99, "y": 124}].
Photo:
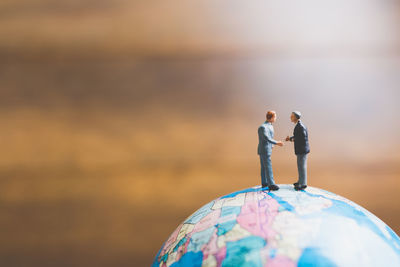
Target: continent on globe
[{"x": 254, "y": 227}]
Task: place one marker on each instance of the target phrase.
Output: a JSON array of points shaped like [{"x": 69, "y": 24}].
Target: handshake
[{"x": 280, "y": 143}]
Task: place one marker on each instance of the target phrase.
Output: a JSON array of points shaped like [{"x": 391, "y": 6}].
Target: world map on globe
[{"x": 255, "y": 227}]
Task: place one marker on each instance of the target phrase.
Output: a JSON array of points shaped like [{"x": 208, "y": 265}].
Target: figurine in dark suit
[
  {"x": 301, "y": 149},
  {"x": 265, "y": 144}
]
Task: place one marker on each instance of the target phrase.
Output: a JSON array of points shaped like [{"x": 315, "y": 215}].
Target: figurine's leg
[
  {"x": 302, "y": 168},
  {"x": 299, "y": 169},
  {"x": 269, "y": 174},
  {"x": 305, "y": 169},
  {"x": 263, "y": 177}
]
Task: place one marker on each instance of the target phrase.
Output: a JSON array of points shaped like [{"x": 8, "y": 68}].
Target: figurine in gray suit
[
  {"x": 265, "y": 143},
  {"x": 301, "y": 149}
]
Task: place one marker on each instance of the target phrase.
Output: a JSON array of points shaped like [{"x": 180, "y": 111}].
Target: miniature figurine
[
  {"x": 265, "y": 144},
  {"x": 301, "y": 149}
]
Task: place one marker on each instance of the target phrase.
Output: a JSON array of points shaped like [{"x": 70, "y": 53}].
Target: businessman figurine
[
  {"x": 265, "y": 143},
  {"x": 301, "y": 149}
]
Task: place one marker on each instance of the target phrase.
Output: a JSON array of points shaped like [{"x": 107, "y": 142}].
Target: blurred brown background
[{"x": 121, "y": 118}]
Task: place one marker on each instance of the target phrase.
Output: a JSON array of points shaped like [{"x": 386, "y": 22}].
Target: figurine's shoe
[
  {"x": 296, "y": 184},
  {"x": 264, "y": 185},
  {"x": 297, "y": 188},
  {"x": 273, "y": 187}
]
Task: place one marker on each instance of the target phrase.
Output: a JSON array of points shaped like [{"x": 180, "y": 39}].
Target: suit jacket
[
  {"x": 265, "y": 139},
  {"x": 300, "y": 137}
]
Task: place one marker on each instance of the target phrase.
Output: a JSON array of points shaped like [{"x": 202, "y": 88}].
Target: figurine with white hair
[{"x": 301, "y": 149}]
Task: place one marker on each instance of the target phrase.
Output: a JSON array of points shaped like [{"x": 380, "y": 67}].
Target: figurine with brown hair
[{"x": 265, "y": 144}]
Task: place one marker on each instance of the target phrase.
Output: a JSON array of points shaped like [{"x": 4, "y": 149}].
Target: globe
[{"x": 255, "y": 227}]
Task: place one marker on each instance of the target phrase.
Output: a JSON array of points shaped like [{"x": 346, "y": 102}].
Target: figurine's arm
[
  {"x": 303, "y": 132},
  {"x": 298, "y": 133},
  {"x": 289, "y": 138},
  {"x": 267, "y": 137}
]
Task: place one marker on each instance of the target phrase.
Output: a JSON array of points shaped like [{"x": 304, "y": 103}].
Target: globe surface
[{"x": 254, "y": 227}]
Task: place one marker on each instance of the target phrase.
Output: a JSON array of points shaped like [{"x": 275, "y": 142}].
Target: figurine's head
[
  {"x": 271, "y": 116},
  {"x": 295, "y": 116}
]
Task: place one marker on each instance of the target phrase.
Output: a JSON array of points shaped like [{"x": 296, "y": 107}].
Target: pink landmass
[
  {"x": 257, "y": 216},
  {"x": 280, "y": 261}
]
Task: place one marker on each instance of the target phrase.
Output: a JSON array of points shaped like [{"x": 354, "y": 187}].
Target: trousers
[
  {"x": 267, "y": 177},
  {"x": 302, "y": 168}
]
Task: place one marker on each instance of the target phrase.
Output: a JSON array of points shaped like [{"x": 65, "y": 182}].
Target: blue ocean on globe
[{"x": 255, "y": 227}]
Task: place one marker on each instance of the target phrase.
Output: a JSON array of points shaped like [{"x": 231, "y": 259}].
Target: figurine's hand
[
  {"x": 287, "y": 138},
  {"x": 279, "y": 143}
]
